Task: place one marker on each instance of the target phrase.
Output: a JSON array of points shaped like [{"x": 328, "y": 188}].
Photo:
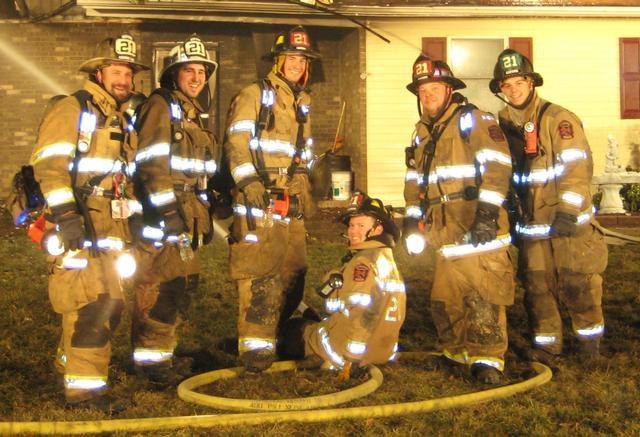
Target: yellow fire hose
[
  {"x": 186, "y": 393},
  {"x": 145, "y": 424}
]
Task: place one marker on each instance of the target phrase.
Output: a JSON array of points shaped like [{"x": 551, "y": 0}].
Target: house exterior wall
[
  {"x": 578, "y": 59},
  {"x": 57, "y": 49}
]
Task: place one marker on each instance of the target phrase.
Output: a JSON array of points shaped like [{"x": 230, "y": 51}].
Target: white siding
[{"x": 578, "y": 59}]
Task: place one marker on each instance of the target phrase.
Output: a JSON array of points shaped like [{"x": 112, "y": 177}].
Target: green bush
[{"x": 630, "y": 194}]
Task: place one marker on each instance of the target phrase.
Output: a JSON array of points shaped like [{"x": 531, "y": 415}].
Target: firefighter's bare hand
[
  {"x": 71, "y": 231},
  {"x": 256, "y": 195},
  {"x": 564, "y": 225}
]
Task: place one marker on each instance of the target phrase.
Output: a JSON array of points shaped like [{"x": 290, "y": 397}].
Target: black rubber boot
[
  {"x": 486, "y": 374},
  {"x": 543, "y": 356},
  {"x": 167, "y": 375},
  {"x": 589, "y": 350},
  {"x": 257, "y": 361},
  {"x": 104, "y": 403}
]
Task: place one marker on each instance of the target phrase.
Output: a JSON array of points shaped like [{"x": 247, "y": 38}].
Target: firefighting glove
[
  {"x": 256, "y": 195},
  {"x": 564, "y": 225},
  {"x": 484, "y": 227},
  {"x": 71, "y": 231},
  {"x": 173, "y": 223}
]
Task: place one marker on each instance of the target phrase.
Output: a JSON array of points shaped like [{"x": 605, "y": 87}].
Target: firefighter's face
[
  {"x": 117, "y": 79},
  {"x": 361, "y": 227},
  {"x": 516, "y": 89},
  {"x": 191, "y": 79},
  {"x": 433, "y": 96},
  {"x": 294, "y": 67}
]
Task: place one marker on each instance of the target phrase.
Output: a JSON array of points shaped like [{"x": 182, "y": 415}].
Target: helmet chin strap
[
  {"x": 444, "y": 106},
  {"x": 526, "y": 102}
]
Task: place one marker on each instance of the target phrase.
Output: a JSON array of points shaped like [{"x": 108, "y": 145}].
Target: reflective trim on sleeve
[
  {"x": 411, "y": 175},
  {"x": 533, "y": 230},
  {"x": 251, "y": 238},
  {"x": 444, "y": 173},
  {"x": 242, "y": 171},
  {"x": 162, "y": 198},
  {"x": 95, "y": 165},
  {"x": 59, "y": 196},
  {"x": 70, "y": 262},
  {"x": 151, "y": 233},
  {"x": 134, "y": 206},
  {"x": 572, "y": 198},
  {"x": 273, "y": 146},
  {"x": 485, "y": 155},
  {"x": 492, "y": 197},
  {"x": 356, "y": 347},
  {"x": 153, "y": 151},
  {"x": 455, "y": 250},
  {"x": 151, "y": 355},
  {"x": 335, "y": 358},
  {"x": 55, "y": 149},
  {"x": 210, "y": 166},
  {"x": 413, "y": 212},
  {"x": 360, "y": 299},
  {"x": 539, "y": 175},
  {"x": 392, "y": 286},
  {"x": 193, "y": 165},
  {"x": 242, "y": 126},
  {"x": 242, "y": 210},
  {"x": 569, "y": 155}
]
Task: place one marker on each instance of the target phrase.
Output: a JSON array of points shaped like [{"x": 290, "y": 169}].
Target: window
[
  {"x": 472, "y": 60},
  {"x": 629, "y": 78}
]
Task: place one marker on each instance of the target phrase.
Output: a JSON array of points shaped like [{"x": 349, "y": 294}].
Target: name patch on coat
[
  {"x": 360, "y": 273},
  {"x": 496, "y": 133},
  {"x": 566, "y": 130}
]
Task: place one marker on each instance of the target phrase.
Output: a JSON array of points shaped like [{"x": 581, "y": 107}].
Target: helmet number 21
[{"x": 510, "y": 61}]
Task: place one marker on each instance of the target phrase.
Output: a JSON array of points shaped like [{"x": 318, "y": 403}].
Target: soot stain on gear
[
  {"x": 172, "y": 296},
  {"x": 484, "y": 327},
  {"x": 263, "y": 309},
  {"x": 91, "y": 328}
]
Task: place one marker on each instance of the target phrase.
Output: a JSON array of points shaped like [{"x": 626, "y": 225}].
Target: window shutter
[
  {"x": 629, "y": 78},
  {"x": 435, "y": 48},
  {"x": 523, "y": 46}
]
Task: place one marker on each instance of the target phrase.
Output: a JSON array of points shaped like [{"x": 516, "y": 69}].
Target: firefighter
[
  {"x": 562, "y": 252},
  {"x": 458, "y": 170},
  {"x": 83, "y": 152},
  {"x": 175, "y": 159},
  {"x": 267, "y": 145},
  {"x": 365, "y": 298}
]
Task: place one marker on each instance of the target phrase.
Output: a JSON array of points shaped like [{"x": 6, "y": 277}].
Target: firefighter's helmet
[
  {"x": 510, "y": 64},
  {"x": 296, "y": 40},
  {"x": 121, "y": 49},
  {"x": 361, "y": 204},
  {"x": 190, "y": 51},
  {"x": 427, "y": 70}
]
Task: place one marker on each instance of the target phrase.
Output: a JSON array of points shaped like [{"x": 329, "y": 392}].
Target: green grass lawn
[{"x": 600, "y": 399}]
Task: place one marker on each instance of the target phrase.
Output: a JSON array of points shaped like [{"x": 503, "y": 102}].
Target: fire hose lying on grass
[{"x": 297, "y": 410}]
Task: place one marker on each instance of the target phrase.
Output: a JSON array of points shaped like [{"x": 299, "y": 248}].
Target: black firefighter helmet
[
  {"x": 427, "y": 70},
  {"x": 510, "y": 64},
  {"x": 361, "y": 204}
]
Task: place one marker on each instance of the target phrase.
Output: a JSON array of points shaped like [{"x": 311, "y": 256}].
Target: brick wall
[{"x": 57, "y": 49}]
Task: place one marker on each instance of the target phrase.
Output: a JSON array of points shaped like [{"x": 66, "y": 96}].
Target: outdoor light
[
  {"x": 53, "y": 245},
  {"x": 415, "y": 244},
  {"x": 126, "y": 265}
]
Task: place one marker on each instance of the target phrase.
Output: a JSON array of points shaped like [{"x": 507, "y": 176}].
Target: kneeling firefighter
[
  {"x": 267, "y": 145},
  {"x": 175, "y": 159},
  {"x": 365, "y": 298},
  {"x": 81, "y": 161}
]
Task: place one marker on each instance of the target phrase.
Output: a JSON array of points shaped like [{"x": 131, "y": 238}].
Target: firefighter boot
[
  {"x": 166, "y": 375},
  {"x": 589, "y": 350},
  {"x": 104, "y": 403},
  {"x": 542, "y": 356},
  {"x": 486, "y": 374},
  {"x": 256, "y": 361}
]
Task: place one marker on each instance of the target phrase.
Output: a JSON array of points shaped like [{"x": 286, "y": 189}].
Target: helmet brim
[
  {"x": 494, "y": 84},
  {"x": 453, "y": 82},
  {"x": 93, "y": 64},
  {"x": 210, "y": 66},
  {"x": 311, "y": 54}
]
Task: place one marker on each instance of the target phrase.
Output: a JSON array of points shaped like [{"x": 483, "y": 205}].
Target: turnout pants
[
  {"x": 269, "y": 277},
  {"x": 163, "y": 287},
  {"x": 91, "y": 302},
  {"x": 468, "y": 305},
  {"x": 564, "y": 270}
]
